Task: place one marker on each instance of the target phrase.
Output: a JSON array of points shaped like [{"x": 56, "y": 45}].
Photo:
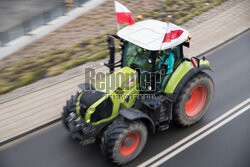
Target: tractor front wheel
[
  {"x": 194, "y": 99},
  {"x": 69, "y": 108},
  {"x": 123, "y": 141}
]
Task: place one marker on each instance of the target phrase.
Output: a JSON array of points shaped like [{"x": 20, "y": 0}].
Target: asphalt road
[{"x": 227, "y": 146}]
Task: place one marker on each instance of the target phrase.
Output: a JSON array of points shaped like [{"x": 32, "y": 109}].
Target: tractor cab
[{"x": 143, "y": 50}]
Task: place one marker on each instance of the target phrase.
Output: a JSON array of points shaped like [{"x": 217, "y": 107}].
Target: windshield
[
  {"x": 128, "y": 54},
  {"x": 136, "y": 57}
]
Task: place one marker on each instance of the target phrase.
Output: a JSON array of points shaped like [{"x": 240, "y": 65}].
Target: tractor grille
[
  {"x": 104, "y": 110},
  {"x": 88, "y": 98}
]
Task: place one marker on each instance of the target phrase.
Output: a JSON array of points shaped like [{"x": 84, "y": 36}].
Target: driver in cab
[{"x": 167, "y": 57}]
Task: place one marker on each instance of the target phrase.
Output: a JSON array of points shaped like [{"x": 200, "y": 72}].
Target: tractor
[{"x": 150, "y": 85}]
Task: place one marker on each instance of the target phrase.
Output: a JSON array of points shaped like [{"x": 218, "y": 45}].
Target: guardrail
[{"x": 42, "y": 19}]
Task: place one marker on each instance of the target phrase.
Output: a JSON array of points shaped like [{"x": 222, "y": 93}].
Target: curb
[
  {"x": 224, "y": 42},
  {"x": 55, "y": 120},
  {"x": 6, "y": 141}
]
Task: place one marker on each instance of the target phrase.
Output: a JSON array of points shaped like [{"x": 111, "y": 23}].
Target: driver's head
[{"x": 167, "y": 52}]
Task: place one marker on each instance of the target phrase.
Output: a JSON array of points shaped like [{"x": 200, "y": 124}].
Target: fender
[
  {"x": 183, "y": 73},
  {"x": 134, "y": 114}
]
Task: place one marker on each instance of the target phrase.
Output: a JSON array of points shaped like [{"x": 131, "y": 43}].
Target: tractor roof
[{"x": 149, "y": 34}]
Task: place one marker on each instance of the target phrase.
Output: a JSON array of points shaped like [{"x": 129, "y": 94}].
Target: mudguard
[
  {"x": 182, "y": 74},
  {"x": 134, "y": 114}
]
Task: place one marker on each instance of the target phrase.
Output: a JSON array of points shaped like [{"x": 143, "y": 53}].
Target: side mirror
[{"x": 187, "y": 44}]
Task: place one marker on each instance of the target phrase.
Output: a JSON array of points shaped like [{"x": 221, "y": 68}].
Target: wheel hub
[
  {"x": 196, "y": 100},
  {"x": 129, "y": 143}
]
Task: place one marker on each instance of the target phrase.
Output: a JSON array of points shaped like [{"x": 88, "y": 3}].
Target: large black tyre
[
  {"x": 68, "y": 108},
  {"x": 123, "y": 141},
  {"x": 194, "y": 99}
]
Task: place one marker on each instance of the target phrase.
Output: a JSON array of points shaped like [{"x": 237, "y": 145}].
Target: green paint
[
  {"x": 78, "y": 107},
  {"x": 179, "y": 73},
  {"x": 119, "y": 85}
]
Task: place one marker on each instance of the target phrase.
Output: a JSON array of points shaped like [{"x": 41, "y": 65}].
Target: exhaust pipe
[{"x": 111, "y": 63}]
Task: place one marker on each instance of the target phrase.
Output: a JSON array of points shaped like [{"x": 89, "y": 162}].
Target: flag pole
[
  {"x": 161, "y": 46},
  {"x": 118, "y": 25},
  {"x": 163, "y": 40}
]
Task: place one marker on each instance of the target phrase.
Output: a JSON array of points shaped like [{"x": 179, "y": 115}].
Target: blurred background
[
  {"x": 77, "y": 42},
  {"x": 20, "y": 17}
]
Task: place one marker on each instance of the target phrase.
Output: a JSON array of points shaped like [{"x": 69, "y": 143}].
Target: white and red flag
[
  {"x": 195, "y": 62},
  {"x": 173, "y": 32},
  {"x": 123, "y": 14}
]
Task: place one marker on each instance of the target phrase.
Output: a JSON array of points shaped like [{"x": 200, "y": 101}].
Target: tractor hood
[{"x": 120, "y": 80}]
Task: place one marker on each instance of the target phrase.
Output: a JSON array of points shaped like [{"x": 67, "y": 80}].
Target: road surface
[{"x": 227, "y": 146}]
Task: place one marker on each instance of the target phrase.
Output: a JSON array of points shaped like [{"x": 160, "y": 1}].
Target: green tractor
[{"x": 154, "y": 85}]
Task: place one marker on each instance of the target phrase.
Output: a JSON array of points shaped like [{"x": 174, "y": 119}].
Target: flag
[
  {"x": 123, "y": 14},
  {"x": 172, "y": 32}
]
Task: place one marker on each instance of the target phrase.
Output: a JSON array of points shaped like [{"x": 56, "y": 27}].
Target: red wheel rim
[
  {"x": 129, "y": 143},
  {"x": 196, "y": 100}
]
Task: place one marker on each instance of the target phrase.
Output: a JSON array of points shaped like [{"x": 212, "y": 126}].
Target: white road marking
[
  {"x": 201, "y": 136},
  {"x": 171, "y": 148}
]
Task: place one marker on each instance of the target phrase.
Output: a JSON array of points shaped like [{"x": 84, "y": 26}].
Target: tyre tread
[
  {"x": 113, "y": 133},
  {"x": 178, "y": 117}
]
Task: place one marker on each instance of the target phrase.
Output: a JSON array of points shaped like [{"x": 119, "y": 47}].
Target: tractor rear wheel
[
  {"x": 69, "y": 108},
  {"x": 194, "y": 99},
  {"x": 123, "y": 141}
]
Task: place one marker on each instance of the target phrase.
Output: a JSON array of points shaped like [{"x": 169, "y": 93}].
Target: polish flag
[
  {"x": 173, "y": 32},
  {"x": 123, "y": 14}
]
